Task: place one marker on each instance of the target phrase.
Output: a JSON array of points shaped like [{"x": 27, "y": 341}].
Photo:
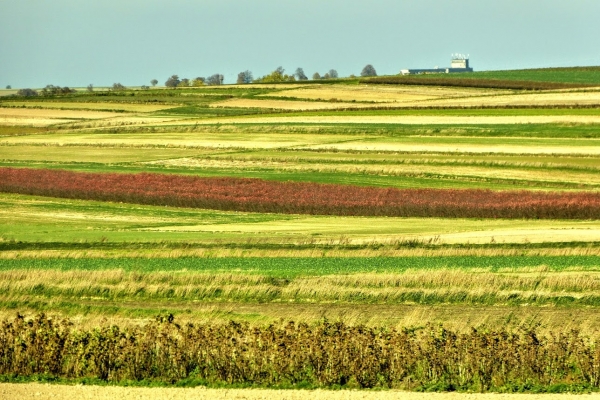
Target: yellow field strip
[
  {"x": 510, "y": 147},
  {"x": 382, "y": 93},
  {"x": 49, "y": 116},
  {"x": 37, "y": 391},
  {"x": 129, "y": 107},
  {"x": 585, "y": 177},
  {"x": 315, "y": 251},
  {"x": 287, "y": 104},
  {"x": 34, "y": 113},
  {"x": 410, "y": 120},
  {"x": 523, "y": 99}
]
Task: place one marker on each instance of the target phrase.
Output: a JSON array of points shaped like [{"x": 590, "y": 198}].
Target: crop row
[
  {"x": 255, "y": 195},
  {"x": 325, "y": 355}
]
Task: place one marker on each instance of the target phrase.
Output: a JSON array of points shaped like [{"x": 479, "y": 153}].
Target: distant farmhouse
[{"x": 459, "y": 63}]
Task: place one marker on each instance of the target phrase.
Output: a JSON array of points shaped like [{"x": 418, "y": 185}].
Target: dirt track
[{"x": 26, "y": 391}]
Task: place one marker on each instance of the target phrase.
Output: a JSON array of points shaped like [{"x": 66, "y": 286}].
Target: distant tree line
[
  {"x": 244, "y": 77},
  {"x": 276, "y": 76},
  {"x": 174, "y": 81},
  {"x": 49, "y": 90}
]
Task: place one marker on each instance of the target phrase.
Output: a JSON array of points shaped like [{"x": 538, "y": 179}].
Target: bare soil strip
[{"x": 37, "y": 391}]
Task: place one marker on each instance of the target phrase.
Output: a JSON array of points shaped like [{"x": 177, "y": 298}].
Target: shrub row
[
  {"x": 255, "y": 195},
  {"x": 325, "y": 355}
]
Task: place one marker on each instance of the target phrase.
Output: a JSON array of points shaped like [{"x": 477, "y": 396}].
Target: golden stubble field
[
  {"x": 323, "y": 97},
  {"x": 382, "y": 93},
  {"x": 36, "y": 391},
  {"x": 40, "y": 117},
  {"x": 44, "y": 117}
]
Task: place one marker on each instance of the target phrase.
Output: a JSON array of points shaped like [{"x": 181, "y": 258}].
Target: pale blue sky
[{"x": 77, "y": 42}]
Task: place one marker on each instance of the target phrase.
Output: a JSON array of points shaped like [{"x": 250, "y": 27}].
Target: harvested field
[
  {"x": 377, "y": 94},
  {"x": 563, "y": 98},
  {"x": 38, "y": 391},
  {"x": 41, "y": 117}
]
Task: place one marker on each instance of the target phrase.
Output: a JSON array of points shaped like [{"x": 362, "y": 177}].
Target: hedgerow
[{"x": 323, "y": 355}]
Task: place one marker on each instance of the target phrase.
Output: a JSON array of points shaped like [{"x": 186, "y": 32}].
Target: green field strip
[
  {"x": 132, "y": 154},
  {"x": 100, "y": 154},
  {"x": 373, "y": 129},
  {"x": 309, "y": 266},
  {"x": 189, "y": 140},
  {"x": 584, "y": 75},
  {"x": 405, "y": 180},
  {"x": 39, "y": 219},
  {"x": 399, "y": 280},
  {"x": 417, "y": 141}
]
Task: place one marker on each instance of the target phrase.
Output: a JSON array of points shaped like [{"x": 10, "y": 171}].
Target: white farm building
[{"x": 459, "y": 63}]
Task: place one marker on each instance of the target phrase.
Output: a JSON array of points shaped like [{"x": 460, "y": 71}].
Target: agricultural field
[{"x": 322, "y": 223}]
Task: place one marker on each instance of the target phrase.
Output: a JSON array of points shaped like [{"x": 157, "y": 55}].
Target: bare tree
[
  {"x": 154, "y": 82},
  {"x": 245, "y": 77},
  {"x": 333, "y": 73},
  {"x": 173, "y": 81},
  {"x": 300, "y": 74},
  {"x": 90, "y": 88},
  {"x": 316, "y": 76},
  {"x": 368, "y": 70}
]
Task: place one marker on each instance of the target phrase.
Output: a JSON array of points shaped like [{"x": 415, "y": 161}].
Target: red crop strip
[{"x": 256, "y": 195}]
